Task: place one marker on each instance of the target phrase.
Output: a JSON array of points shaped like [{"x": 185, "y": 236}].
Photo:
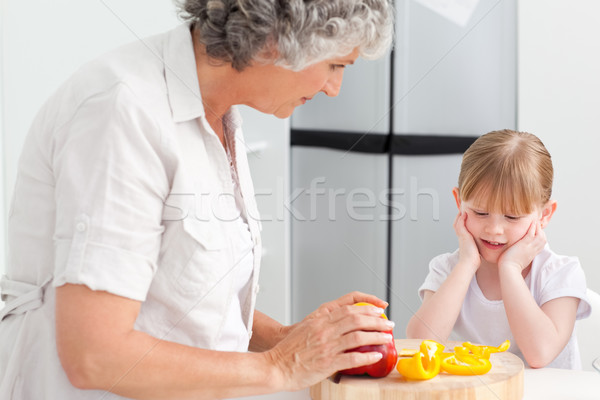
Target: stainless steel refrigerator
[{"x": 372, "y": 170}]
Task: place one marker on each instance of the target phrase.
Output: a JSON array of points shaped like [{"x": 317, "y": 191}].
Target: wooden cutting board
[{"x": 503, "y": 382}]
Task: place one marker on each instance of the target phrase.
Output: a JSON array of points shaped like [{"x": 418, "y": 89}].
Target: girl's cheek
[{"x": 469, "y": 224}]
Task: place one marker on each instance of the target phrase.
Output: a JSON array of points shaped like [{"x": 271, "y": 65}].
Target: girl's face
[{"x": 494, "y": 232}]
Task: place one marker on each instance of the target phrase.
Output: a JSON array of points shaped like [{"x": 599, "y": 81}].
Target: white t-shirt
[
  {"x": 484, "y": 321},
  {"x": 124, "y": 187}
]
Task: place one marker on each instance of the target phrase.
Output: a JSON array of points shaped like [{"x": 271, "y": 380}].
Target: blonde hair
[{"x": 507, "y": 171}]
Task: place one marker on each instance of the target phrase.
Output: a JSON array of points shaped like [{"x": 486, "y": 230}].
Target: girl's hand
[
  {"x": 467, "y": 249},
  {"x": 522, "y": 253}
]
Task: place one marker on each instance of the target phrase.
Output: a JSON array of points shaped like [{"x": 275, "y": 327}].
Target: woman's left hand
[
  {"x": 521, "y": 254},
  {"x": 316, "y": 347}
]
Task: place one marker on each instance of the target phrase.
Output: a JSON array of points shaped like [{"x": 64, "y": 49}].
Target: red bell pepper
[{"x": 382, "y": 367}]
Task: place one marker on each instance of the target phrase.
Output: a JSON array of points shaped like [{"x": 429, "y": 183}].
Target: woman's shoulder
[
  {"x": 137, "y": 67},
  {"x": 123, "y": 67}
]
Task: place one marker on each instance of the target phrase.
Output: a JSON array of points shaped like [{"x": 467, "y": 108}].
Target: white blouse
[{"x": 124, "y": 187}]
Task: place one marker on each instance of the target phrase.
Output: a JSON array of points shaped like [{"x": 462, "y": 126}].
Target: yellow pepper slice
[
  {"x": 463, "y": 363},
  {"x": 407, "y": 352},
  {"x": 362, "y": 303},
  {"x": 423, "y": 365},
  {"x": 485, "y": 351}
]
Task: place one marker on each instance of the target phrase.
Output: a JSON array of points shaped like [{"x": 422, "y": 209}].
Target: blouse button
[{"x": 80, "y": 227}]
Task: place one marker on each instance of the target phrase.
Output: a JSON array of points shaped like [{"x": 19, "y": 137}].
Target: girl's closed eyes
[{"x": 509, "y": 216}]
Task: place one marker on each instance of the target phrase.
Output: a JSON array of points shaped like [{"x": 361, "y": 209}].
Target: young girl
[{"x": 504, "y": 282}]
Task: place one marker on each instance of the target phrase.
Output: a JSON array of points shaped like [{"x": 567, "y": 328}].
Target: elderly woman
[{"x": 134, "y": 255}]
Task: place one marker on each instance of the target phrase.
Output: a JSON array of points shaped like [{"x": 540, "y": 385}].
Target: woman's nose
[{"x": 333, "y": 84}]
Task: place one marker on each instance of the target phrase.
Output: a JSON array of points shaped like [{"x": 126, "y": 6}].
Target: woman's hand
[
  {"x": 315, "y": 348},
  {"x": 521, "y": 254},
  {"x": 467, "y": 248}
]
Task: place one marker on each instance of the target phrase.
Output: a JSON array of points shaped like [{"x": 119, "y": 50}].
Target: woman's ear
[
  {"x": 456, "y": 194},
  {"x": 547, "y": 212}
]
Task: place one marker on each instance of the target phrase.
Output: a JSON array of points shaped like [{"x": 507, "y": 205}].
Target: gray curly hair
[{"x": 302, "y": 32}]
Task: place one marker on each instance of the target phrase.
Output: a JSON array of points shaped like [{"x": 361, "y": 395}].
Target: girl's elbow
[
  {"x": 537, "y": 363},
  {"x": 412, "y": 332},
  {"x": 540, "y": 359},
  {"x": 417, "y": 330}
]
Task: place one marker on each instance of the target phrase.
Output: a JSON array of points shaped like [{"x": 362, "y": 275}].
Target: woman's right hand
[
  {"x": 467, "y": 248},
  {"x": 315, "y": 348}
]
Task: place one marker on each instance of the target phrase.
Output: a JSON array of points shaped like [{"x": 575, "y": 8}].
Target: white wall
[
  {"x": 559, "y": 86},
  {"x": 44, "y": 42}
]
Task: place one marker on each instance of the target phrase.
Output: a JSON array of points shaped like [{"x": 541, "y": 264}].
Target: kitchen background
[{"x": 355, "y": 191}]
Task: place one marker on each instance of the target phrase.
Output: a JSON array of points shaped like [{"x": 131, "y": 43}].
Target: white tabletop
[
  {"x": 561, "y": 384},
  {"x": 540, "y": 384}
]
